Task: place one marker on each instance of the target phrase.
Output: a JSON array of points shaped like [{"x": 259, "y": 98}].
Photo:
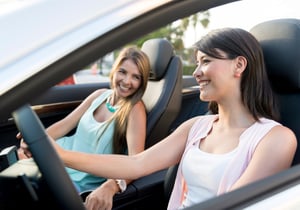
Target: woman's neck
[{"x": 235, "y": 117}]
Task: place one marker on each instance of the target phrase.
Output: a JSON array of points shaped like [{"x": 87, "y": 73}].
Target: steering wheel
[{"x": 46, "y": 158}]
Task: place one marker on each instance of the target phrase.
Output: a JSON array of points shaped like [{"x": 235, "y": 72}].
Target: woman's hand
[
  {"x": 23, "y": 151},
  {"x": 102, "y": 197}
]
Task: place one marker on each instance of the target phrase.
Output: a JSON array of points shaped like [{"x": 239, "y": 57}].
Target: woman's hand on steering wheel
[{"x": 23, "y": 151}]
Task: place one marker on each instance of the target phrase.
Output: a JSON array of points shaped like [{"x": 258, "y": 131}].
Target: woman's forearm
[{"x": 109, "y": 166}]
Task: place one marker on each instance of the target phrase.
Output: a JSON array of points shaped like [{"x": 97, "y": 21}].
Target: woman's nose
[
  {"x": 198, "y": 72},
  {"x": 126, "y": 79}
]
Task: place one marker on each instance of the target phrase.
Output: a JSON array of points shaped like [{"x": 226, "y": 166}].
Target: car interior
[{"x": 280, "y": 43}]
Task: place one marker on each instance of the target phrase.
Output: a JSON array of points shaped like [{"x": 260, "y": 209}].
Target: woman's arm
[
  {"x": 136, "y": 129},
  {"x": 102, "y": 197},
  {"x": 65, "y": 125},
  {"x": 273, "y": 154},
  {"x": 166, "y": 153}
]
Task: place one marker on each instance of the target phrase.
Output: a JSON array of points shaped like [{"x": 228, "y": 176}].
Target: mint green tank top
[{"x": 90, "y": 138}]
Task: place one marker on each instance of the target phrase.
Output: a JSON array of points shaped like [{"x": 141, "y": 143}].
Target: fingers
[
  {"x": 23, "y": 145},
  {"x": 23, "y": 151},
  {"x": 21, "y": 154},
  {"x": 19, "y": 136},
  {"x": 24, "y": 154}
]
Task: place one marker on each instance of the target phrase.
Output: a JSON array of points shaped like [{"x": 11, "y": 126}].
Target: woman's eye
[
  {"x": 122, "y": 71},
  {"x": 137, "y": 77},
  {"x": 205, "y": 61},
  {"x": 202, "y": 62}
]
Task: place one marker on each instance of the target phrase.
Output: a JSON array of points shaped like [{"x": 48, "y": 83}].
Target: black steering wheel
[{"x": 46, "y": 158}]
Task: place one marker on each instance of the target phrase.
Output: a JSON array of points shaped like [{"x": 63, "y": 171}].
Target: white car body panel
[{"x": 42, "y": 38}]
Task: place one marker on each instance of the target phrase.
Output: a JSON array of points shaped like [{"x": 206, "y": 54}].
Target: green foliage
[
  {"x": 164, "y": 32},
  {"x": 188, "y": 69},
  {"x": 175, "y": 33}
]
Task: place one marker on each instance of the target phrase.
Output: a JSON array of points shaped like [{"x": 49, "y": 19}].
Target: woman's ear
[{"x": 241, "y": 64}]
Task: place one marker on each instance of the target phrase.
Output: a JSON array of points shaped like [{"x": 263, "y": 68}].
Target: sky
[{"x": 246, "y": 14}]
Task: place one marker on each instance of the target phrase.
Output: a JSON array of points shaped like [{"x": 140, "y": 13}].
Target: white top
[
  {"x": 232, "y": 169},
  {"x": 203, "y": 172}
]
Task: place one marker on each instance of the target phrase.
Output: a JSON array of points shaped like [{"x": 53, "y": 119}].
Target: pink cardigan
[{"x": 248, "y": 142}]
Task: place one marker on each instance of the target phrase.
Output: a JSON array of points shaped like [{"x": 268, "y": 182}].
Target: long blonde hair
[{"x": 122, "y": 114}]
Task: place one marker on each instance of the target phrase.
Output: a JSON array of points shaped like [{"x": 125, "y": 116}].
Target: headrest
[
  {"x": 160, "y": 52},
  {"x": 280, "y": 40}
]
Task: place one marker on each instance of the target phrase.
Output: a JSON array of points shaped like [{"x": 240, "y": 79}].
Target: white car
[{"x": 43, "y": 42}]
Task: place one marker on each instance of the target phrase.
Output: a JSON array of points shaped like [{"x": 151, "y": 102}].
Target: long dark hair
[{"x": 256, "y": 92}]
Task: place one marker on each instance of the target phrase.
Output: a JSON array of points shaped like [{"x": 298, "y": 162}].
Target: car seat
[
  {"x": 163, "y": 95},
  {"x": 280, "y": 40}
]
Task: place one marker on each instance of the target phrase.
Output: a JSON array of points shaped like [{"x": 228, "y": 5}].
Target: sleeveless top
[
  {"x": 203, "y": 172},
  {"x": 89, "y": 138},
  {"x": 236, "y": 164}
]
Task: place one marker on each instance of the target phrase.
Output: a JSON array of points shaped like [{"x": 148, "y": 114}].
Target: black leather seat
[
  {"x": 280, "y": 40},
  {"x": 163, "y": 94}
]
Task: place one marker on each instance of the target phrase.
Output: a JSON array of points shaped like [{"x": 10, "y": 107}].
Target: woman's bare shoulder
[
  {"x": 281, "y": 139},
  {"x": 283, "y": 133},
  {"x": 189, "y": 122},
  {"x": 97, "y": 93}
]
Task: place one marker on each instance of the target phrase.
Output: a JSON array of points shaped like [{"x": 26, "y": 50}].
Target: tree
[{"x": 175, "y": 32}]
